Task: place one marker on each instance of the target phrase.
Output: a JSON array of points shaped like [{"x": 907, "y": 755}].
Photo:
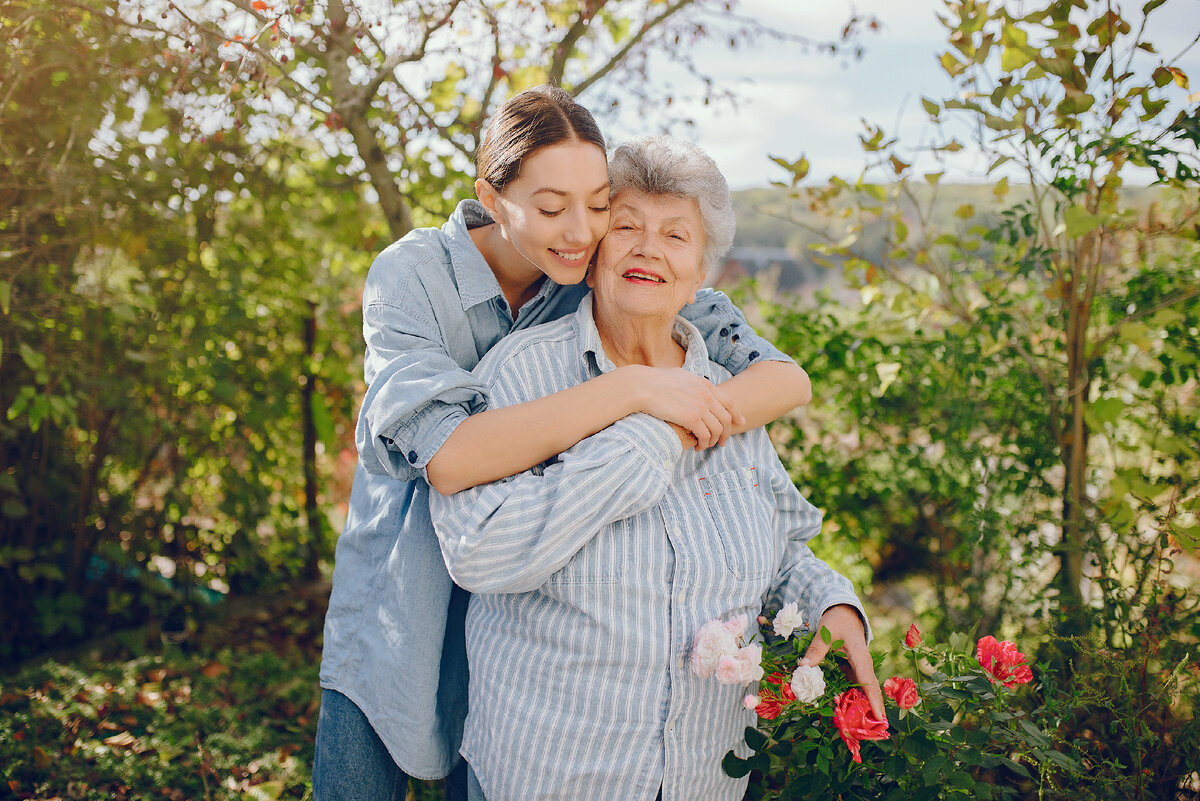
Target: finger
[
  {"x": 816, "y": 652},
  {"x": 702, "y": 433},
  {"x": 725, "y": 420},
  {"x": 864, "y": 676},
  {"x": 716, "y": 424}
]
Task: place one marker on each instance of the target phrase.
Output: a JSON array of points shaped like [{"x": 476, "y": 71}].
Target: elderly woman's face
[{"x": 649, "y": 262}]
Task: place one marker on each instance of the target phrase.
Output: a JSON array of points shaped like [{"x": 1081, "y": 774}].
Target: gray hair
[{"x": 661, "y": 165}]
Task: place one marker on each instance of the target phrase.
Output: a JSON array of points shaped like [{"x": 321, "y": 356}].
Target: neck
[
  {"x": 646, "y": 341},
  {"x": 519, "y": 278}
]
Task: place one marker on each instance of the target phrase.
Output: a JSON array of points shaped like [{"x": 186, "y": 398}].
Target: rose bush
[{"x": 950, "y": 730}]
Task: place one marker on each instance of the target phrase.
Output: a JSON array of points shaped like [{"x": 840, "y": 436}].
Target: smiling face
[
  {"x": 556, "y": 210},
  {"x": 649, "y": 266}
]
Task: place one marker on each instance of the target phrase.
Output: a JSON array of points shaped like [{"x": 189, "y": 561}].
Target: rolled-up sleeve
[
  {"x": 731, "y": 341},
  {"x": 803, "y": 578},
  {"x": 417, "y": 394},
  {"x": 512, "y": 535}
]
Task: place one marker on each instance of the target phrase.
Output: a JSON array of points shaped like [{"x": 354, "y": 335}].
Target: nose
[
  {"x": 578, "y": 231},
  {"x": 648, "y": 244}
]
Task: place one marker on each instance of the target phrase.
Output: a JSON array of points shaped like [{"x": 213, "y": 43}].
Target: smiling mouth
[
  {"x": 637, "y": 275},
  {"x": 569, "y": 256}
]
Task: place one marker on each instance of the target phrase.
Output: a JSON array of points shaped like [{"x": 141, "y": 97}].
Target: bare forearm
[
  {"x": 498, "y": 443},
  {"x": 766, "y": 391}
]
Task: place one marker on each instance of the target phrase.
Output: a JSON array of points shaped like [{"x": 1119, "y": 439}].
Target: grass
[{"x": 232, "y": 715}]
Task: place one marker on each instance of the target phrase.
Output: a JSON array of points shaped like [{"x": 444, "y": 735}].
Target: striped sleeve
[{"x": 512, "y": 535}]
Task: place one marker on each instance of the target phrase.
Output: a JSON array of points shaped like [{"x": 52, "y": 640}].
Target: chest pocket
[{"x": 742, "y": 515}]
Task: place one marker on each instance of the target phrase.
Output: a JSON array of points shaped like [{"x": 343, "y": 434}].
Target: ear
[{"x": 490, "y": 199}]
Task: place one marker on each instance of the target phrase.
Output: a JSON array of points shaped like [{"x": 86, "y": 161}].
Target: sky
[{"x": 794, "y": 103}]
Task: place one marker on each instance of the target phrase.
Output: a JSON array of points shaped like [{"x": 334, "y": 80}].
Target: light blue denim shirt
[
  {"x": 594, "y": 572},
  {"x": 394, "y": 640}
]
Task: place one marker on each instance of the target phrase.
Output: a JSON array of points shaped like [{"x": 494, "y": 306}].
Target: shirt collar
[
  {"x": 591, "y": 349},
  {"x": 476, "y": 281}
]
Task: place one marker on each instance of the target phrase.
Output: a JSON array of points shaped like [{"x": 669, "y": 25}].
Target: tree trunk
[{"x": 312, "y": 513}]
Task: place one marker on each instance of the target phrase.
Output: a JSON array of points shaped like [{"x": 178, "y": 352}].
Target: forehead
[
  {"x": 659, "y": 209},
  {"x": 571, "y": 165}
]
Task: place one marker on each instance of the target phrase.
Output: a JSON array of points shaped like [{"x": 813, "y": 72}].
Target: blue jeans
[{"x": 353, "y": 764}]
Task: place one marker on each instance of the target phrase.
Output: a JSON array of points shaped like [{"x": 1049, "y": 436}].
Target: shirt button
[
  {"x": 724, "y": 332},
  {"x": 753, "y": 355},
  {"x": 412, "y": 457}
]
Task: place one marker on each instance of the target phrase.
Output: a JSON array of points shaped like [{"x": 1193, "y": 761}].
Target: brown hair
[{"x": 536, "y": 118}]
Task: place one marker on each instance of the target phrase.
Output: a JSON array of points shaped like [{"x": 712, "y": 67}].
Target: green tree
[{"x": 1058, "y": 323}]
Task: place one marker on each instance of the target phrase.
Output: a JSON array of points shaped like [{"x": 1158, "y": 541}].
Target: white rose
[
  {"x": 808, "y": 683},
  {"x": 788, "y": 620}
]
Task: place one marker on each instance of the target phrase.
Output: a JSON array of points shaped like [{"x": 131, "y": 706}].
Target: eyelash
[{"x": 597, "y": 209}]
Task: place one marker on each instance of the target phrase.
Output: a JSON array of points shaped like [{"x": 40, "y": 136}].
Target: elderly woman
[{"x": 593, "y": 572}]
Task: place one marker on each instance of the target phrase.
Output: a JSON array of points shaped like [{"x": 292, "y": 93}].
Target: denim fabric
[
  {"x": 352, "y": 763},
  {"x": 394, "y": 642}
]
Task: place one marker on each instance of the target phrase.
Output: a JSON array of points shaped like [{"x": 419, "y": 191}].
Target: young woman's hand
[{"x": 695, "y": 404}]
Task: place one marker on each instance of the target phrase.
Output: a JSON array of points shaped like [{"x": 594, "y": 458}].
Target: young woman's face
[{"x": 556, "y": 211}]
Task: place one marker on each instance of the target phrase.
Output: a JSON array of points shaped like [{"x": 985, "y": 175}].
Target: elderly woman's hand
[
  {"x": 845, "y": 624},
  {"x": 688, "y": 401}
]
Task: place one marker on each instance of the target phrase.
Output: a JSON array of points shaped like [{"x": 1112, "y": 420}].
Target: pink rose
[
  {"x": 751, "y": 702},
  {"x": 1003, "y": 662},
  {"x": 737, "y": 626},
  {"x": 855, "y": 722},
  {"x": 902, "y": 691},
  {"x": 912, "y": 638},
  {"x": 713, "y": 641},
  {"x": 749, "y": 658},
  {"x": 729, "y": 670}
]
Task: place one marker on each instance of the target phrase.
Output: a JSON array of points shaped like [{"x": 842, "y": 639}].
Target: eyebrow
[{"x": 561, "y": 193}]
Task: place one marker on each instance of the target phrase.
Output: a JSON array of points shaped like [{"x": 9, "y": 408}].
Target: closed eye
[{"x": 551, "y": 213}]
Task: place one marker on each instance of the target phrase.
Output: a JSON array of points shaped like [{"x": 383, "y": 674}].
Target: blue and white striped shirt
[{"x": 593, "y": 574}]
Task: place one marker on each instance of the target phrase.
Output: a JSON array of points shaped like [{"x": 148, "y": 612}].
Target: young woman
[{"x": 394, "y": 670}]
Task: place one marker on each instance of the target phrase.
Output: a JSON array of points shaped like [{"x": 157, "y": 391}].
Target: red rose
[
  {"x": 1003, "y": 662},
  {"x": 913, "y": 638},
  {"x": 773, "y": 702},
  {"x": 855, "y": 723},
  {"x": 902, "y": 691}
]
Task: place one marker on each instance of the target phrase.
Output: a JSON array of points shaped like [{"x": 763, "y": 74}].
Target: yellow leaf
[{"x": 888, "y": 372}]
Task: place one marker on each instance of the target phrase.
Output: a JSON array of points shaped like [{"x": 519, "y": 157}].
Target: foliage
[
  {"x": 1008, "y": 364},
  {"x": 960, "y": 735},
  {"x": 402, "y": 89},
  {"x": 179, "y": 349},
  {"x": 232, "y": 717},
  {"x": 1007, "y": 422}
]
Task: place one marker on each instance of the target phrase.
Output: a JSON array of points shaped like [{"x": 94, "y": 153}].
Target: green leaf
[
  {"x": 1078, "y": 221},
  {"x": 931, "y": 108},
  {"x": 1107, "y": 410},
  {"x": 734, "y": 766},
  {"x": 755, "y": 738},
  {"x": 444, "y": 94},
  {"x": 5, "y": 297}
]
